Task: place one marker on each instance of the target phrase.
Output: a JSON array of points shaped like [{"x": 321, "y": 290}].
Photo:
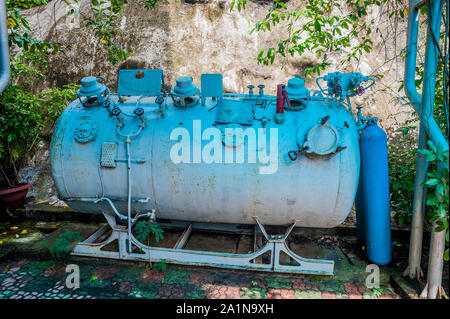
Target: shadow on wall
[
  {"x": 152, "y": 42},
  {"x": 145, "y": 34}
]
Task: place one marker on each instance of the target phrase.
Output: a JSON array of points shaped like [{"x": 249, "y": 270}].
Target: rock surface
[{"x": 191, "y": 38}]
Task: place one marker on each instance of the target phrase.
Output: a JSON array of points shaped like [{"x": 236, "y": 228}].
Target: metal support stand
[{"x": 93, "y": 247}]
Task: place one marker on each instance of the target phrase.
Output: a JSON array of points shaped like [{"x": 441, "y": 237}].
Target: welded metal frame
[{"x": 275, "y": 244}]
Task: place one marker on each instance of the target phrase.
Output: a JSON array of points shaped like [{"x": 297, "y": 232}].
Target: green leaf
[{"x": 432, "y": 181}]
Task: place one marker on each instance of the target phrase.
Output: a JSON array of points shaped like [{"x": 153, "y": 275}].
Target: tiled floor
[{"x": 30, "y": 279}]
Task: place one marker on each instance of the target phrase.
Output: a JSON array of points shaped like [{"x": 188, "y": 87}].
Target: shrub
[
  {"x": 26, "y": 117},
  {"x": 25, "y": 4},
  {"x": 402, "y": 173},
  {"x": 63, "y": 244}
]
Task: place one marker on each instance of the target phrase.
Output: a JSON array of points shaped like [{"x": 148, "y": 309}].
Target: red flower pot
[{"x": 13, "y": 196}]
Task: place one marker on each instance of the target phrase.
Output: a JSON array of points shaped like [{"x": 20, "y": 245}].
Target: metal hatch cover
[
  {"x": 140, "y": 82},
  {"x": 236, "y": 111}
]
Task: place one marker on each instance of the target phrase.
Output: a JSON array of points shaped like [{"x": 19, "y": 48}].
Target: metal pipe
[
  {"x": 435, "y": 263},
  {"x": 128, "y": 142},
  {"x": 411, "y": 56},
  {"x": 414, "y": 270},
  {"x": 280, "y": 99},
  {"x": 431, "y": 61},
  {"x": 430, "y": 126},
  {"x": 96, "y": 200},
  {"x": 415, "y": 247},
  {"x": 5, "y": 72},
  {"x": 424, "y": 108}
]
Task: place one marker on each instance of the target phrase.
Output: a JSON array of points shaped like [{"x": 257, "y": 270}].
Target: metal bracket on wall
[{"x": 274, "y": 246}]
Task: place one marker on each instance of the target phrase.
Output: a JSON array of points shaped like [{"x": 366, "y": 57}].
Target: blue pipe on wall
[
  {"x": 428, "y": 130},
  {"x": 429, "y": 124},
  {"x": 437, "y": 244},
  {"x": 5, "y": 72},
  {"x": 415, "y": 248}
]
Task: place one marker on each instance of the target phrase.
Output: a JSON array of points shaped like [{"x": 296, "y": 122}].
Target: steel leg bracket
[{"x": 177, "y": 255}]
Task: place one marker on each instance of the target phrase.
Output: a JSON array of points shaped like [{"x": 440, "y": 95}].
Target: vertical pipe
[
  {"x": 414, "y": 269},
  {"x": 431, "y": 60},
  {"x": 430, "y": 126},
  {"x": 128, "y": 142},
  {"x": 411, "y": 56},
  {"x": 428, "y": 129},
  {"x": 415, "y": 247},
  {"x": 5, "y": 72},
  {"x": 434, "y": 277},
  {"x": 280, "y": 99}
]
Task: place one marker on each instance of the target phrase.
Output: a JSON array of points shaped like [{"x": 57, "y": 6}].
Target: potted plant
[
  {"x": 27, "y": 114},
  {"x": 14, "y": 195},
  {"x": 25, "y": 119},
  {"x": 19, "y": 131}
]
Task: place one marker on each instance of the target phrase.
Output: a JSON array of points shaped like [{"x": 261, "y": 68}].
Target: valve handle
[
  {"x": 116, "y": 111},
  {"x": 324, "y": 120},
  {"x": 139, "y": 111},
  {"x": 107, "y": 104},
  {"x": 360, "y": 90},
  {"x": 293, "y": 155},
  {"x": 159, "y": 100},
  {"x": 337, "y": 90}
]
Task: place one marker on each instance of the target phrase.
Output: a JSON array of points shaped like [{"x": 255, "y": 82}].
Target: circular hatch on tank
[{"x": 322, "y": 140}]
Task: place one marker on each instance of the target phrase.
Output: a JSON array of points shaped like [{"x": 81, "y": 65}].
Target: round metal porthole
[
  {"x": 85, "y": 131},
  {"x": 322, "y": 140}
]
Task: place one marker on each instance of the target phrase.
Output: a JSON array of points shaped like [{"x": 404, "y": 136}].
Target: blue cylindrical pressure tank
[
  {"x": 167, "y": 164},
  {"x": 375, "y": 194}
]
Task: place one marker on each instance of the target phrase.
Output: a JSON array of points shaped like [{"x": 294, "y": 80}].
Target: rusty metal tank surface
[{"x": 143, "y": 149}]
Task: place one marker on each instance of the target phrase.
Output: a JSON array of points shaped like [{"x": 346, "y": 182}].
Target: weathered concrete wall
[{"x": 195, "y": 38}]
